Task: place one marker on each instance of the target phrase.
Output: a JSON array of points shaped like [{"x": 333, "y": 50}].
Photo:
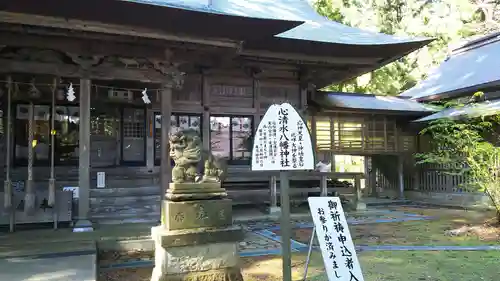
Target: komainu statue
[{"x": 192, "y": 163}]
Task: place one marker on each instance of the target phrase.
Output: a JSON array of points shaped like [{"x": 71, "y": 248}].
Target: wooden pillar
[
  {"x": 8, "y": 196},
  {"x": 83, "y": 223},
  {"x": 367, "y": 175},
  {"x": 323, "y": 185},
  {"x": 206, "y": 112},
  {"x": 273, "y": 191},
  {"x": 256, "y": 103},
  {"x": 29, "y": 196},
  {"x": 360, "y": 204},
  {"x": 52, "y": 180},
  {"x": 313, "y": 133},
  {"x": 401, "y": 182},
  {"x": 166, "y": 112},
  {"x": 373, "y": 178},
  {"x": 150, "y": 141}
]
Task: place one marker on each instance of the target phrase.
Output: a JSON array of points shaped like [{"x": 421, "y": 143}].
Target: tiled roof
[
  {"x": 473, "y": 67},
  {"x": 315, "y": 27},
  {"x": 470, "y": 111},
  {"x": 372, "y": 102}
]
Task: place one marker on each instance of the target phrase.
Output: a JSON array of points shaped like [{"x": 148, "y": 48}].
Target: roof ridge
[{"x": 476, "y": 43}]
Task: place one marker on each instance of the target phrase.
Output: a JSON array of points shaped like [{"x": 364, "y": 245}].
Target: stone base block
[
  {"x": 203, "y": 262},
  {"x": 197, "y": 236},
  {"x": 196, "y": 214}
]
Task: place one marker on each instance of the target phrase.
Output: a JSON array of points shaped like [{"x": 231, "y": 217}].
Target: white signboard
[
  {"x": 335, "y": 241},
  {"x": 101, "y": 179},
  {"x": 282, "y": 141},
  {"x": 74, "y": 189}
]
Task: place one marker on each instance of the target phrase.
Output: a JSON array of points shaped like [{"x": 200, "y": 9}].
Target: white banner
[{"x": 335, "y": 241}]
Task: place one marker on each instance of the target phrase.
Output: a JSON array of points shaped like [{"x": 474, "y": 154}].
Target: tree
[
  {"x": 449, "y": 21},
  {"x": 467, "y": 147}
]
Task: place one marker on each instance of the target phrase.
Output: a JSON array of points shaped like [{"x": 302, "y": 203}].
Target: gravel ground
[{"x": 129, "y": 274}]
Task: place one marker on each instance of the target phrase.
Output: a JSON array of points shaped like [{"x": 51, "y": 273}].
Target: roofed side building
[{"x": 470, "y": 68}]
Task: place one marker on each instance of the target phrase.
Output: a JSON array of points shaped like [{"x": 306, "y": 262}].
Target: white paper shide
[
  {"x": 282, "y": 141},
  {"x": 337, "y": 248}
]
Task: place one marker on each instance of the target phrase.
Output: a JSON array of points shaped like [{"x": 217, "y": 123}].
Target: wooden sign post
[
  {"x": 335, "y": 241},
  {"x": 283, "y": 143}
]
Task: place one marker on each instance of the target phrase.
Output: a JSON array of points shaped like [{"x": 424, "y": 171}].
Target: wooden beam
[
  {"x": 68, "y": 70},
  {"x": 89, "y": 26},
  {"x": 82, "y": 46},
  {"x": 311, "y": 59}
]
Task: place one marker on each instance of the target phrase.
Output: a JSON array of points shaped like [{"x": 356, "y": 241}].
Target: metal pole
[
  {"x": 285, "y": 226},
  {"x": 52, "y": 181},
  {"x": 309, "y": 252}
]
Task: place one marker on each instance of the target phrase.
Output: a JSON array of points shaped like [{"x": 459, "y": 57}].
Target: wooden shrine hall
[{"x": 85, "y": 85}]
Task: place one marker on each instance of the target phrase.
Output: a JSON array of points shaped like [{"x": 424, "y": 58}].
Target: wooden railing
[{"x": 301, "y": 182}]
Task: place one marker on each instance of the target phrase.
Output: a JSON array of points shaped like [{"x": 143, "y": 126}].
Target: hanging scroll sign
[
  {"x": 283, "y": 143},
  {"x": 335, "y": 241}
]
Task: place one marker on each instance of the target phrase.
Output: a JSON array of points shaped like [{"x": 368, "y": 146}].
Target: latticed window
[
  {"x": 134, "y": 125},
  {"x": 323, "y": 133},
  {"x": 66, "y": 130},
  {"x": 104, "y": 122},
  {"x": 231, "y": 137},
  {"x": 134, "y": 133}
]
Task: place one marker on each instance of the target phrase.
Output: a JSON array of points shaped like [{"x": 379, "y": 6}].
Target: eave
[{"x": 113, "y": 16}]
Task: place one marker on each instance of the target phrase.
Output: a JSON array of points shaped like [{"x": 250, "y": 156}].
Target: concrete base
[
  {"x": 469, "y": 200},
  {"x": 77, "y": 268},
  {"x": 360, "y": 206},
  {"x": 202, "y": 262},
  {"x": 83, "y": 226},
  {"x": 274, "y": 211}
]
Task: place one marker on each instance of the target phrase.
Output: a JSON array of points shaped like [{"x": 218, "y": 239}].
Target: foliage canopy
[
  {"x": 467, "y": 147},
  {"x": 448, "y": 21}
]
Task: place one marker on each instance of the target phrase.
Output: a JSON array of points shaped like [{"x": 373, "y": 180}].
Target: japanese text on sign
[
  {"x": 337, "y": 248},
  {"x": 282, "y": 141}
]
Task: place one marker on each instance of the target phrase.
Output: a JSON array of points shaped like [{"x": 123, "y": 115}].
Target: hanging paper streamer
[
  {"x": 145, "y": 97},
  {"x": 70, "y": 95}
]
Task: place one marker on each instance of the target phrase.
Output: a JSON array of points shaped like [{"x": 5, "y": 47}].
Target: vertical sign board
[
  {"x": 283, "y": 143},
  {"x": 335, "y": 241},
  {"x": 101, "y": 179}
]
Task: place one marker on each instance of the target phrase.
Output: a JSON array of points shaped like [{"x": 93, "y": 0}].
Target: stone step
[
  {"x": 150, "y": 219},
  {"x": 138, "y": 208},
  {"x": 148, "y": 190},
  {"x": 124, "y": 200}
]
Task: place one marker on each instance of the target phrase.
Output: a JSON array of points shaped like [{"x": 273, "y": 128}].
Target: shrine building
[{"x": 84, "y": 86}]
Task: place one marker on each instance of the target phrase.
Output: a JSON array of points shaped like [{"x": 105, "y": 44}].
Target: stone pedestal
[{"x": 197, "y": 240}]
